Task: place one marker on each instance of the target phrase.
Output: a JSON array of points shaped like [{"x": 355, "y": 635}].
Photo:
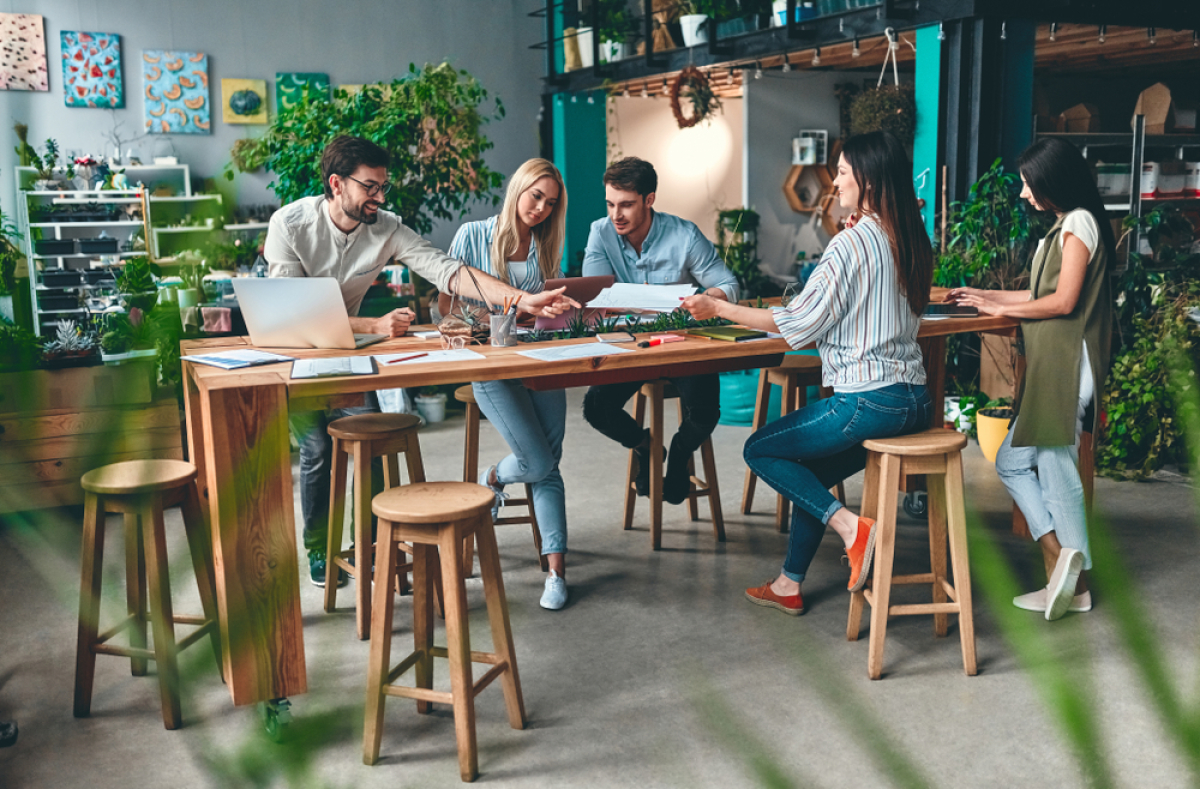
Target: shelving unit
[
  {"x": 168, "y": 213},
  {"x": 1137, "y": 141}
]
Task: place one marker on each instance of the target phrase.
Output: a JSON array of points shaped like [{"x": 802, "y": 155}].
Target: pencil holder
[{"x": 502, "y": 330}]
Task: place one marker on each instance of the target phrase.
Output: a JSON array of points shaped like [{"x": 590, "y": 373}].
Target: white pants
[{"x": 1051, "y": 497}]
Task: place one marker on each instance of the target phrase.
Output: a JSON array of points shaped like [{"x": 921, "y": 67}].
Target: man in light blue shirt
[{"x": 637, "y": 244}]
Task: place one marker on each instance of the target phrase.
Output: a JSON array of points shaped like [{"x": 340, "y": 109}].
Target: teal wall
[
  {"x": 1017, "y": 132},
  {"x": 928, "y": 84},
  {"x": 580, "y": 143}
]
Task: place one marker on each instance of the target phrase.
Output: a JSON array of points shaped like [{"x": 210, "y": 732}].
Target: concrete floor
[{"x": 658, "y": 673}]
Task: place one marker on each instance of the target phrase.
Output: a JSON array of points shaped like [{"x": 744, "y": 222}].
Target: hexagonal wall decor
[{"x": 802, "y": 199}]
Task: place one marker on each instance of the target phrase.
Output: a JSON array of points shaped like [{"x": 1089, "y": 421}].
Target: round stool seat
[
  {"x": 465, "y": 394},
  {"x": 367, "y": 427},
  {"x": 669, "y": 391},
  {"x": 796, "y": 363},
  {"x": 935, "y": 441},
  {"x": 138, "y": 476},
  {"x": 433, "y": 502}
]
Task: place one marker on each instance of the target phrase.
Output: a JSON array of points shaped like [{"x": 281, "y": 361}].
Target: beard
[{"x": 359, "y": 214}]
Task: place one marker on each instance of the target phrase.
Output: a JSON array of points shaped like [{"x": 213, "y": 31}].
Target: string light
[
  {"x": 1004, "y": 31},
  {"x": 816, "y": 61},
  {"x": 574, "y": 99},
  {"x": 1152, "y": 35},
  {"x": 942, "y": 32},
  {"x": 856, "y": 52},
  {"x": 757, "y": 70},
  {"x": 1054, "y": 31},
  {"x": 1195, "y": 40},
  {"x": 625, "y": 92},
  {"x": 1103, "y": 34},
  {"x": 591, "y": 99}
]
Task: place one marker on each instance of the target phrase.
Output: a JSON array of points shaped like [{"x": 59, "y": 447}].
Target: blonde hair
[{"x": 547, "y": 237}]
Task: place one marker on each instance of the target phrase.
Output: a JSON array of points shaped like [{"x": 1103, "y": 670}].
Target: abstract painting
[
  {"x": 243, "y": 100},
  {"x": 22, "y": 53},
  {"x": 176, "y": 92},
  {"x": 289, "y": 87},
  {"x": 91, "y": 65}
]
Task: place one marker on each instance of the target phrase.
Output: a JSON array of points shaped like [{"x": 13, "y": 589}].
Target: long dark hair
[
  {"x": 1061, "y": 181},
  {"x": 884, "y": 174}
]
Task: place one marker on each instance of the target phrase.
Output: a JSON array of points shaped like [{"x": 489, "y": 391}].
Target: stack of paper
[
  {"x": 561, "y": 353},
  {"x": 652, "y": 298},
  {"x": 233, "y": 360}
]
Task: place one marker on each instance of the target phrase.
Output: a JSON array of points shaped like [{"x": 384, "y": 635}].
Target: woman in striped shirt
[
  {"x": 522, "y": 246},
  {"x": 862, "y": 308}
]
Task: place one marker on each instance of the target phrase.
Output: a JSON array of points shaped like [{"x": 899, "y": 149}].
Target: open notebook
[{"x": 331, "y": 368}]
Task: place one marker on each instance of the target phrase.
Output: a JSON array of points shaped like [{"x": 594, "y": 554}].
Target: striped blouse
[
  {"x": 472, "y": 245},
  {"x": 855, "y": 311}
]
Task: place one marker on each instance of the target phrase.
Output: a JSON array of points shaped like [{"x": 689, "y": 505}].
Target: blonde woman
[{"x": 523, "y": 246}]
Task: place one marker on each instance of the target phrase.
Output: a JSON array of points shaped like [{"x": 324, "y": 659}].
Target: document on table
[
  {"x": 427, "y": 335},
  {"x": 330, "y": 368},
  {"x": 233, "y": 360},
  {"x": 461, "y": 355},
  {"x": 652, "y": 298},
  {"x": 562, "y": 353}
]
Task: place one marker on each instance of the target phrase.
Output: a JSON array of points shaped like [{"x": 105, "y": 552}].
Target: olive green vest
[{"x": 1049, "y": 396}]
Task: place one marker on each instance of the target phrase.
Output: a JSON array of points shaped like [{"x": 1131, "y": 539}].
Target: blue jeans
[
  {"x": 533, "y": 425},
  {"x": 802, "y": 454},
  {"x": 316, "y": 456}
]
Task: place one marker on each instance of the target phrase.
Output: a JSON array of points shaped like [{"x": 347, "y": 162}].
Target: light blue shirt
[
  {"x": 675, "y": 252},
  {"x": 472, "y": 245}
]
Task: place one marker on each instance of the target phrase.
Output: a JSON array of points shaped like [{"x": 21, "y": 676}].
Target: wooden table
[{"x": 238, "y": 439}]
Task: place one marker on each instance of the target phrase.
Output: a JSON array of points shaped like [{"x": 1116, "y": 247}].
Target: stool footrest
[
  {"x": 476, "y": 657},
  {"x": 915, "y": 578},
  {"x": 916, "y": 609},
  {"x": 516, "y": 520},
  {"x": 119, "y": 651},
  {"x": 487, "y": 678},
  {"x": 401, "y": 667},
  {"x": 195, "y": 636},
  {"x": 420, "y": 694},
  {"x": 949, "y": 590}
]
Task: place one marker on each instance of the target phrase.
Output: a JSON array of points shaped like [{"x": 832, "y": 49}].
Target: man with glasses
[{"x": 346, "y": 234}]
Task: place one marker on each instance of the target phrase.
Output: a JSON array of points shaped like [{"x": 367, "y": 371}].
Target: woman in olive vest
[{"x": 1066, "y": 321}]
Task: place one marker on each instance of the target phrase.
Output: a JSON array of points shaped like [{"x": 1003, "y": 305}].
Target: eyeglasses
[{"x": 372, "y": 189}]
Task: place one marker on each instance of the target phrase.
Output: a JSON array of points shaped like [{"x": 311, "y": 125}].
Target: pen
[{"x": 406, "y": 358}]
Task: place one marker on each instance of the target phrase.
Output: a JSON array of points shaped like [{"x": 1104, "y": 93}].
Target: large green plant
[
  {"x": 9, "y": 255},
  {"x": 429, "y": 121},
  {"x": 737, "y": 231}
]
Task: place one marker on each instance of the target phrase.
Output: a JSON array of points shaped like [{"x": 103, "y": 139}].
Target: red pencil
[{"x": 406, "y": 358}]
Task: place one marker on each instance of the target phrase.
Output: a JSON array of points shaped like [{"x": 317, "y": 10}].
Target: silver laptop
[{"x": 297, "y": 312}]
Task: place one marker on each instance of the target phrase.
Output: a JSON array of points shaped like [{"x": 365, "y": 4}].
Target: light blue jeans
[
  {"x": 533, "y": 425},
  {"x": 1051, "y": 498}
]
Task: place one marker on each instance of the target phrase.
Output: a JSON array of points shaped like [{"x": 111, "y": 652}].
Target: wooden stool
[
  {"x": 936, "y": 454},
  {"x": 438, "y": 517},
  {"x": 142, "y": 489},
  {"x": 793, "y": 378},
  {"x": 365, "y": 436},
  {"x": 655, "y": 392},
  {"x": 466, "y": 395}
]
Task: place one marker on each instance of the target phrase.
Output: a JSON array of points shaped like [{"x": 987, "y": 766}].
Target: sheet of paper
[
  {"x": 462, "y": 355},
  {"x": 653, "y": 298},
  {"x": 564, "y": 352},
  {"x": 325, "y": 368},
  {"x": 427, "y": 335},
  {"x": 232, "y": 360}
]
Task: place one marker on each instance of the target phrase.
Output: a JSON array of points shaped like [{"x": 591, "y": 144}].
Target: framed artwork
[
  {"x": 243, "y": 100},
  {"x": 22, "y": 53},
  {"x": 289, "y": 87},
  {"x": 91, "y": 64},
  {"x": 176, "y": 92}
]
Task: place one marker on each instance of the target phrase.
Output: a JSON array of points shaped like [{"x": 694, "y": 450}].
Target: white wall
[
  {"x": 353, "y": 41},
  {"x": 778, "y": 106},
  {"x": 699, "y": 169}
]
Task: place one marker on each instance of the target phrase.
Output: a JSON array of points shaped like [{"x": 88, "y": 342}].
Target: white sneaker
[
  {"x": 497, "y": 489},
  {"x": 555, "y": 595},
  {"x": 1036, "y": 601},
  {"x": 1060, "y": 590}
]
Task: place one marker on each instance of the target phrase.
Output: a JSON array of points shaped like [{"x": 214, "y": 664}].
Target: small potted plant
[
  {"x": 71, "y": 347},
  {"x": 991, "y": 425},
  {"x": 136, "y": 284},
  {"x": 432, "y": 404},
  {"x": 126, "y": 336},
  {"x": 192, "y": 275},
  {"x": 19, "y": 347},
  {"x": 692, "y": 16},
  {"x": 618, "y": 30},
  {"x": 44, "y": 179}
]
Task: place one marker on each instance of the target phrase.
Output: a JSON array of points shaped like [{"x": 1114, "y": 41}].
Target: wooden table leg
[{"x": 248, "y": 476}]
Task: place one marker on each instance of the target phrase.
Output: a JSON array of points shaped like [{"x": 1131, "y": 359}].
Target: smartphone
[{"x": 614, "y": 336}]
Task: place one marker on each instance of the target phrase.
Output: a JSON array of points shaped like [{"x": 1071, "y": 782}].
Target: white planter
[
  {"x": 693, "y": 29},
  {"x": 129, "y": 356},
  {"x": 611, "y": 51},
  {"x": 432, "y": 407},
  {"x": 6, "y": 308},
  {"x": 584, "y": 37}
]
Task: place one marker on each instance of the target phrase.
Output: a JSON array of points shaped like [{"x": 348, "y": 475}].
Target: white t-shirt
[{"x": 1081, "y": 224}]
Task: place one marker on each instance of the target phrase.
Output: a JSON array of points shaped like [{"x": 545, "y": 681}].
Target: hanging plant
[
  {"x": 889, "y": 108},
  {"x": 693, "y": 85}
]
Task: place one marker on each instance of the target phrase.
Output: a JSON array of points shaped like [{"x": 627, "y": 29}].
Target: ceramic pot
[
  {"x": 187, "y": 297},
  {"x": 611, "y": 51},
  {"x": 583, "y": 37},
  {"x": 991, "y": 425},
  {"x": 692, "y": 27},
  {"x": 432, "y": 407}
]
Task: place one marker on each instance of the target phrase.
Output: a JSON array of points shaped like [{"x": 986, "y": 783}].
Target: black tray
[
  {"x": 47, "y": 302},
  {"x": 58, "y": 278},
  {"x": 54, "y": 246},
  {"x": 99, "y": 276},
  {"x": 88, "y": 246}
]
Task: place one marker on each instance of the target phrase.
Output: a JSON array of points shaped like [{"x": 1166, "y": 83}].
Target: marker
[
  {"x": 406, "y": 358},
  {"x": 660, "y": 340}
]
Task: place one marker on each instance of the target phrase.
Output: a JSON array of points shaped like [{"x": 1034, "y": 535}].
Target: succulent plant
[{"x": 71, "y": 340}]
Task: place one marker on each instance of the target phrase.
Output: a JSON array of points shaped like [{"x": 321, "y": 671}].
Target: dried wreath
[{"x": 694, "y": 85}]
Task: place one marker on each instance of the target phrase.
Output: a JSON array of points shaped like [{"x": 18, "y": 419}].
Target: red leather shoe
[
  {"x": 860, "y": 554},
  {"x": 792, "y": 605}
]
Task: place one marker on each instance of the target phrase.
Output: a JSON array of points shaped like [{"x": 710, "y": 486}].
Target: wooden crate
[
  {"x": 76, "y": 388},
  {"x": 44, "y": 453}
]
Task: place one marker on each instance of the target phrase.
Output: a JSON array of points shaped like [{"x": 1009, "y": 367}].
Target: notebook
[
  {"x": 728, "y": 333},
  {"x": 331, "y": 368}
]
